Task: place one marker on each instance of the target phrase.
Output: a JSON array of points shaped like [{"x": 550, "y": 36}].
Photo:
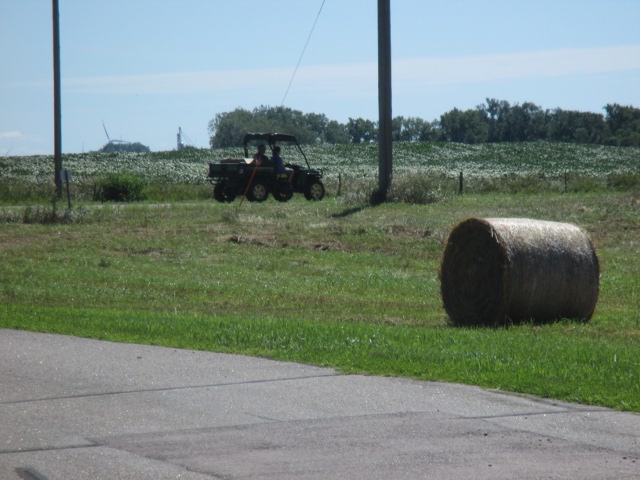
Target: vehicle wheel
[
  {"x": 258, "y": 192},
  {"x": 314, "y": 190},
  {"x": 283, "y": 192},
  {"x": 223, "y": 194}
]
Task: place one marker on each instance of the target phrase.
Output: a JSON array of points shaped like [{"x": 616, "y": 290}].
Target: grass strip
[{"x": 542, "y": 361}]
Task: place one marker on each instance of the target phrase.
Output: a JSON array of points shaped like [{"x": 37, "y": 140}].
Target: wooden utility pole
[
  {"x": 385, "y": 153},
  {"x": 57, "y": 115}
]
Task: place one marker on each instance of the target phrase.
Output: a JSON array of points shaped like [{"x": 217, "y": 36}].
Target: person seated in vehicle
[
  {"x": 261, "y": 158},
  {"x": 279, "y": 164}
]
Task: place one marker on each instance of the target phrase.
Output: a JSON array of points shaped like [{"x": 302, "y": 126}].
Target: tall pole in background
[
  {"x": 57, "y": 114},
  {"x": 385, "y": 153}
]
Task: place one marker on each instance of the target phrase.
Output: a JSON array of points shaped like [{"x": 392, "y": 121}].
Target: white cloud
[
  {"x": 11, "y": 134},
  {"x": 481, "y": 68},
  {"x": 356, "y": 79},
  {"x": 176, "y": 83}
]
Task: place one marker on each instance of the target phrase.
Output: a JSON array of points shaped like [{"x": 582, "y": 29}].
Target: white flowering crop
[{"x": 354, "y": 161}]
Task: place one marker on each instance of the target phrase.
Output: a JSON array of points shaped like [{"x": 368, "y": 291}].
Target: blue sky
[{"x": 147, "y": 67}]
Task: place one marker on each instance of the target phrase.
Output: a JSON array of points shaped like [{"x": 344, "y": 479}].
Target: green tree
[
  {"x": 513, "y": 123},
  {"x": 561, "y": 125},
  {"x": 410, "y": 129},
  {"x": 496, "y": 111},
  {"x": 575, "y": 127},
  {"x": 335, "y": 133},
  {"x": 494, "y": 121},
  {"x": 623, "y": 123},
  {"x": 316, "y": 123},
  {"x": 129, "y": 147},
  {"x": 228, "y": 129},
  {"x": 469, "y": 126},
  {"x": 360, "y": 130}
]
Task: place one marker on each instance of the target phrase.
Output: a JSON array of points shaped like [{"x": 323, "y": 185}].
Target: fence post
[{"x": 461, "y": 184}]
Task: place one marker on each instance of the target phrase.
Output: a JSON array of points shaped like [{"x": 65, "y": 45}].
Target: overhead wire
[{"x": 302, "y": 54}]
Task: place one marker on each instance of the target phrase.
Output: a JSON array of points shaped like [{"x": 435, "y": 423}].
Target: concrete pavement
[{"x": 74, "y": 408}]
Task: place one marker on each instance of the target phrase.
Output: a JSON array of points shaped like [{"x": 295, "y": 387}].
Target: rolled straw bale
[{"x": 500, "y": 270}]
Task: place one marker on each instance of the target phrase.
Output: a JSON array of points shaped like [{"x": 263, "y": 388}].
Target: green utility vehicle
[{"x": 256, "y": 179}]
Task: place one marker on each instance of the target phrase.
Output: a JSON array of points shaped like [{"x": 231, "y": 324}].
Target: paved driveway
[{"x": 74, "y": 408}]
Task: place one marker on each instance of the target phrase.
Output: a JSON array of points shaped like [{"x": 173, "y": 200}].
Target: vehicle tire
[
  {"x": 283, "y": 192},
  {"x": 314, "y": 190},
  {"x": 223, "y": 194},
  {"x": 258, "y": 192}
]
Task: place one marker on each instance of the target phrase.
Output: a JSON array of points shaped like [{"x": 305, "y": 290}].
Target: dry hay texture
[{"x": 497, "y": 271}]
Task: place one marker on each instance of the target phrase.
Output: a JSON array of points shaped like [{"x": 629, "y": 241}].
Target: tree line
[
  {"x": 491, "y": 122},
  {"x": 126, "y": 147}
]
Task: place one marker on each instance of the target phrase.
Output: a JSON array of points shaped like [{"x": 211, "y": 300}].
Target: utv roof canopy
[{"x": 271, "y": 139}]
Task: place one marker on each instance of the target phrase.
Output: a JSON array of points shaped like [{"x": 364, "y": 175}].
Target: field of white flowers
[
  {"x": 484, "y": 160},
  {"x": 551, "y": 160}
]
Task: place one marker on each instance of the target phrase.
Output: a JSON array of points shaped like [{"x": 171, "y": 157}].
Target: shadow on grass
[
  {"x": 376, "y": 198},
  {"x": 350, "y": 211}
]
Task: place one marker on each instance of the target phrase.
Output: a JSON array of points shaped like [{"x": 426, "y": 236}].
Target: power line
[{"x": 302, "y": 54}]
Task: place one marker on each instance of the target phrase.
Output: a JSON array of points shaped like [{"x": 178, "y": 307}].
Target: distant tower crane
[
  {"x": 183, "y": 140},
  {"x": 180, "y": 142}
]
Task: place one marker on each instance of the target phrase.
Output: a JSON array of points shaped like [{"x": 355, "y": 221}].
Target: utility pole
[
  {"x": 57, "y": 115},
  {"x": 385, "y": 153}
]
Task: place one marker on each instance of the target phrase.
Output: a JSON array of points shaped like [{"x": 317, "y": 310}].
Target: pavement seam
[
  {"x": 439, "y": 416},
  {"x": 28, "y": 473},
  {"x": 166, "y": 389},
  {"x": 533, "y": 414},
  {"x": 51, "y": 448}
]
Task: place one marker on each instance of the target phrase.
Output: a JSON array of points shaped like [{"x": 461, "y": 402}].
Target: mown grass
[
  {"x": 564, "y": 362},
  {"x": 330, "y": 283}
]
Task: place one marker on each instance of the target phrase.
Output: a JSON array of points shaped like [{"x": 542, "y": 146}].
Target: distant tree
[
  {"x": 360, "y": 130},
  {"x": 335, "y": 133},
  {"x": 410, "y": 129},
  {"x": 623, "y": 123},
  {"x": 496, "y": 111},
  {"x": 417, "y": 130},
  {"x": 396, "y": 128},
  {"x": 228, "y": 129},
  {"x": 469, "y": 126},
  {"x": 128, "y": 147},
  {"x": 517, "y": 123},
  {"x": 575, "y": 127},
  {"x": 494, "y": 121},
  {"x": 316, "y": 124},
  {"x": 435, "y": 134},
  {"x": 285, "y": 120},
  {"x": 591, "y": 128},
  {"x": 561, "y": 125},
  {"x": 524, "y": 123},
  {"x": 537, "y": 121}
]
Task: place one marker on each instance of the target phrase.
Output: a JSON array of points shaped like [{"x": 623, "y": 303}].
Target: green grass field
[{"x": 335, "y": 283}]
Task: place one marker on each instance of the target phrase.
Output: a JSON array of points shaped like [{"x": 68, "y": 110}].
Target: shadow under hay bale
[{"x": 497, "y": 271}]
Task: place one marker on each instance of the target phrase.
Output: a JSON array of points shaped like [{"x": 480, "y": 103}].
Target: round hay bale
[{"x": 507, "y": 270}]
